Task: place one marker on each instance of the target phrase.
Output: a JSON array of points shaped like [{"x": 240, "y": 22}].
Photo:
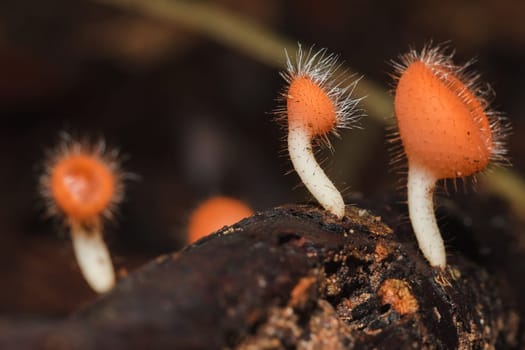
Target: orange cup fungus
[
  {"x": 83, "y": 186},
  {"x": 446, "y": 131},
  {"x": 82, "y": 183},
  {"x": 314, "y": 104},
  {"x": 215, "y": 213}
]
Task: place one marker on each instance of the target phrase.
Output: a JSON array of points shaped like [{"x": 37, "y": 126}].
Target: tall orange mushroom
[
  {"x": 447, "y": 132},
  {"x": 314, "y": 104},
  {"x": 83, "y": 184}
]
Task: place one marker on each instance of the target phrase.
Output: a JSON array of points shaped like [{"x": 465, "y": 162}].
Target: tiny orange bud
[{"x": 213, "y": 214}]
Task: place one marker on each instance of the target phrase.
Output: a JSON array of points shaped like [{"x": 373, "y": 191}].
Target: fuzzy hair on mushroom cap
[
  {"x": 443, "y": 117},
  {"x": 315, "y": 96},
  {"x": 314, "y": 103},
  {"x": 446, "y": 130},
  {"x": 82, "y": 181}
]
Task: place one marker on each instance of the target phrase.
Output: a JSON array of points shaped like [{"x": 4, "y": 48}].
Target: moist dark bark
[{"x": 292, "y": 277}]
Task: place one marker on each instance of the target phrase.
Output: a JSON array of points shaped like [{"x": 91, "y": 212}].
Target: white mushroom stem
[
  {"x": 313, "y": 177},
  {"x": 93, "y": 257},
  {"x": 421, "y": 184}
]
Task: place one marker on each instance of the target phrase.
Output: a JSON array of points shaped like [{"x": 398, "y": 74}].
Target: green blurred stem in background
[{"x": 268, "y": 47}]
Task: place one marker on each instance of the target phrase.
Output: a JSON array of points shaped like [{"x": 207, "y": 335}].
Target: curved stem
[
  {"x": 93, "y": 257},
  {"x": 213, "y": 21},
  {"x": 421, "y": 184},
  {"x": 313, "y": 177}
]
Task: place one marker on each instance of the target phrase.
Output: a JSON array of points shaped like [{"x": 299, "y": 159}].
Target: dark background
[{"x": 193, "y": 117}]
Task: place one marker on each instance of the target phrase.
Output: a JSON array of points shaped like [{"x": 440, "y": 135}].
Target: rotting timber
[{"x": 291, "y": 277}]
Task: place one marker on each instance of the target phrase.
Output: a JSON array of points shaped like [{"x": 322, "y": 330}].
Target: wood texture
[{"x": 291, "y": 277}]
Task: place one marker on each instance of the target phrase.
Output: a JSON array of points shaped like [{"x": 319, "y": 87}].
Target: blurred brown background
[{"x": 193, "y": 116}]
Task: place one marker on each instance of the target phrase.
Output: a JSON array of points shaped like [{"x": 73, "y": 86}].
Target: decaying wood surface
[{"x": 291, "y": 277}]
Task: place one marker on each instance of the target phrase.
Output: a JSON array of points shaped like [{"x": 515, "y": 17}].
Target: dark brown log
[{"x": 292, "y": 277}]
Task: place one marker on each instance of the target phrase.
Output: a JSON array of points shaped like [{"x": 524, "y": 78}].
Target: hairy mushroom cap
[
  {"x": 82, "y": 186},
  {"x": 317, "y": 97},
  {"x": 443, "y": 117},
  {"x": 309, "y": 105},
  {"x": 82, "y": 182}
]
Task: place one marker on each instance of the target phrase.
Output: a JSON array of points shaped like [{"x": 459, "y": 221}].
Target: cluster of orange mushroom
[{"x": 444, "y": 125}]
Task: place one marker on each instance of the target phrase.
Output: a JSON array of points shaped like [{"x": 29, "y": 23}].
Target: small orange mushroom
[
  {"x": 215, "y": 213},
  {"x": 314, "y": 104},
  {"x": 83, "y": 184},
  {"x": 447, "y": 132}
]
